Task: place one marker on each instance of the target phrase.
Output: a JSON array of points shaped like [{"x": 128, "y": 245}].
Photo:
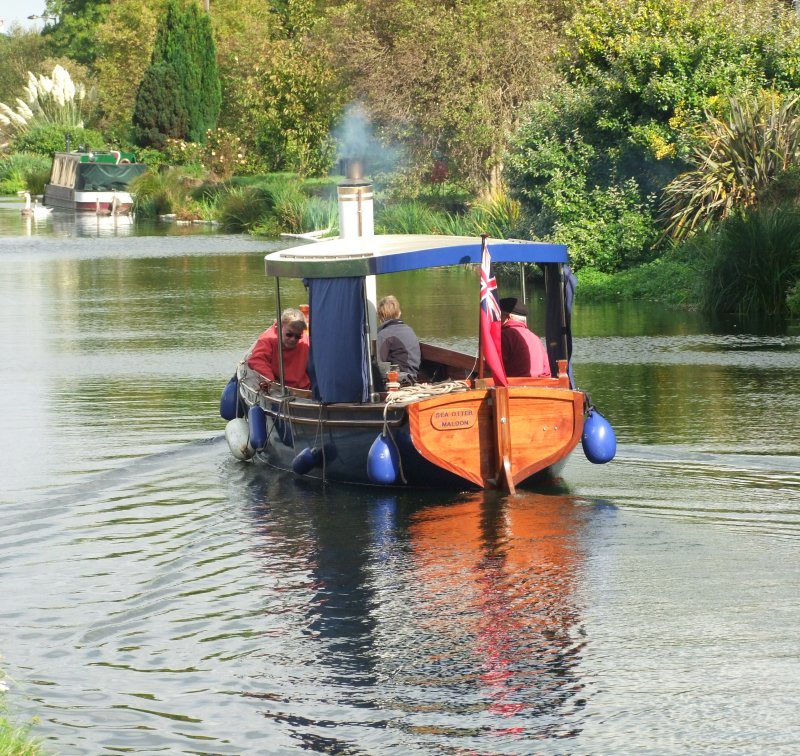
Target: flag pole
[{"x": 481, "y": 361}]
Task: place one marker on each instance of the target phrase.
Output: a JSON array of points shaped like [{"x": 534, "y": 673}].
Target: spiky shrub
[
  {"x": 753, "y": 262},
  {"x": 289, "y": 204},
  {"x": 405, "y": 218},
  {"x": 243, "y": 208},
  {"x": 736, "y": 158},
  {"x": 165, "y": 192},
  {"x": 793, "y": 300},
  {"x": 499, "y": 216},
  {"x": 319, "y": 214}
]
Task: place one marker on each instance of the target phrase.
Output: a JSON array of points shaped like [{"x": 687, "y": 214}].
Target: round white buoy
[{"x": 237, "y": 434}]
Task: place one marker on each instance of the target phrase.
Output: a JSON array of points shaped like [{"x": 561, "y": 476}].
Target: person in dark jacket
[{"x": 397, "y": 342}]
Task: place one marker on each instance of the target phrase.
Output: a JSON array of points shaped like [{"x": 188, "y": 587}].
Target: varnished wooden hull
[
  {"x": 456, "y": 440},
  {"x": 462, "y": 432}
]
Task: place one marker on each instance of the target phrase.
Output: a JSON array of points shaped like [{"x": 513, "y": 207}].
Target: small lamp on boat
[{"x": 598, "y": 440}]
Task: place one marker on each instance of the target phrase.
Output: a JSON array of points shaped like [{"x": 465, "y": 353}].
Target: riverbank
[
  {"x": 672, "y": 282},
  {"x": 666, "y": 281},
  {"x": 15, "y": 740}
]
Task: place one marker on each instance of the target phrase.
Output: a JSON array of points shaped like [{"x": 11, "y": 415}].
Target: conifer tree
[{"x": 182, "y": 82}]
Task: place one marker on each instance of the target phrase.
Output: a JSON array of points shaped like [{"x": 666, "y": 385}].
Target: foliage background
[{"x": 585, "y": 114}]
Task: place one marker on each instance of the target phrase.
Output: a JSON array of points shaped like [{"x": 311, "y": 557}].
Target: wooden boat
[
  {"x": 92, "y": 182},
  {"x": 458, "y": 426}
]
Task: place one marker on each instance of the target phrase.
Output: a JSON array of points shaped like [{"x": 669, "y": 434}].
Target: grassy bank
[
  {"x": 669, "y": 281},
  {"x": 748, "y": 267},
  {"x": 15, "y": 740}
]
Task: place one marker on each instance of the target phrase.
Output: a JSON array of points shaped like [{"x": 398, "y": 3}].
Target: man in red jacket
[
  {"x": 264, "y": 355},
  {"x": 524, "y": 354}
]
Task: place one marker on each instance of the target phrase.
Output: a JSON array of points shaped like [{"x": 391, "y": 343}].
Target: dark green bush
[
  {"x": 753, "y": 263},
  {"x": 160, "y": 111},
  {"x": 22, "y": 171},
  {"x": 45, "y": 140}
]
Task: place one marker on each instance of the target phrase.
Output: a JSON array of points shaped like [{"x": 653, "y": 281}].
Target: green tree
[
  {"x": 21, "y": 51},
  {"x": 282, "y": 95},
  {"x": 124, "y": 47},
  {"x": 74, "y": 33},
  {"x": 300, "y": 100},
  {"x": 638, "y": 77},
  {"x": 447, "y": 79},
  {"x": 184, "y": 52},
  {"x": 245, "y": 30}
]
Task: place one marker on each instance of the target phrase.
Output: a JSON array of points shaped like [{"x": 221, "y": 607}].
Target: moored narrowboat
[{"x": 92, "y": 182}]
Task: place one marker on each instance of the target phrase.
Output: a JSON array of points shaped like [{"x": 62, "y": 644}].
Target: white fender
[{"x": 237, "y": 434}]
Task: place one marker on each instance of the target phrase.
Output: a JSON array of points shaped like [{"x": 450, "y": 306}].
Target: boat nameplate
[{"x": 454, "y": 419}]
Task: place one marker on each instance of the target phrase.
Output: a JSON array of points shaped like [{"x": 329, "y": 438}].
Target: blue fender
[
  {"x": 229, "y": 406},
  {"x": 599, "y": 440},
  {"x": 257, "y": 420},
  {"x": 383, "y": 462},
  {"x": 307, "y": 460}
]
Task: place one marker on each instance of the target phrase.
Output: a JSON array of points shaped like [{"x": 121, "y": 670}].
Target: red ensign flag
[{"x": 490, "y": 320}]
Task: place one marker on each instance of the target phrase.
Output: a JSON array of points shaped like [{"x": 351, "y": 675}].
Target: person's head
[
  {"x": 512, "y": 309},
  {"x": 293, "y": 324},
  {"x": 388, "y": 308}
]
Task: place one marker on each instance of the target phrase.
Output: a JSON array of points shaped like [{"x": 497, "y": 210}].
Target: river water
[{"x": 158, "y": 597}]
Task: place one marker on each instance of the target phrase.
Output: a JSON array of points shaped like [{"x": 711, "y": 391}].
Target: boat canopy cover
[
  {"x": 106, "y": 177},
  {"x": 338, "y": 362},
  {"x": 560, "y": 283},
  {"x": 392, "y": 253}
]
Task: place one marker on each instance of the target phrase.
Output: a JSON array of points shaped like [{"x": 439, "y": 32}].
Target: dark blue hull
[{"x": 339, "y": 451}]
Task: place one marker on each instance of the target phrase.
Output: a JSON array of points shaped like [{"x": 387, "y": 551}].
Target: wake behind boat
[{"x": 458, "y": 426}]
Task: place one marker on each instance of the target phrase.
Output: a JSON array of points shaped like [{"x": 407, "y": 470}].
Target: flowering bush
[
  {"x": 46, "y": 101},
  {"x": 180, "y": 152},
  {"x": 223, "y": 153}
]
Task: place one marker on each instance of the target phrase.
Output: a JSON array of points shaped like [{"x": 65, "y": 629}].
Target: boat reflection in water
[
  {"x": 498, "y": 580},
  {"x": 446, "y": 619},
  {"x": 83, "y": 225}
]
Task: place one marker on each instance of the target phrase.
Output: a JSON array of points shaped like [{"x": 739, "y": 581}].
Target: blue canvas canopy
[
  {"x": 335, "y": 272},
  {"x": 338, "y": 363},
  {"x": 392, "y": 253}
]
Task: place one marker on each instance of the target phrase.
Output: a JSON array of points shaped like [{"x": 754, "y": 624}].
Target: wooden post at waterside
[{"x": 502, "y": 438}]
